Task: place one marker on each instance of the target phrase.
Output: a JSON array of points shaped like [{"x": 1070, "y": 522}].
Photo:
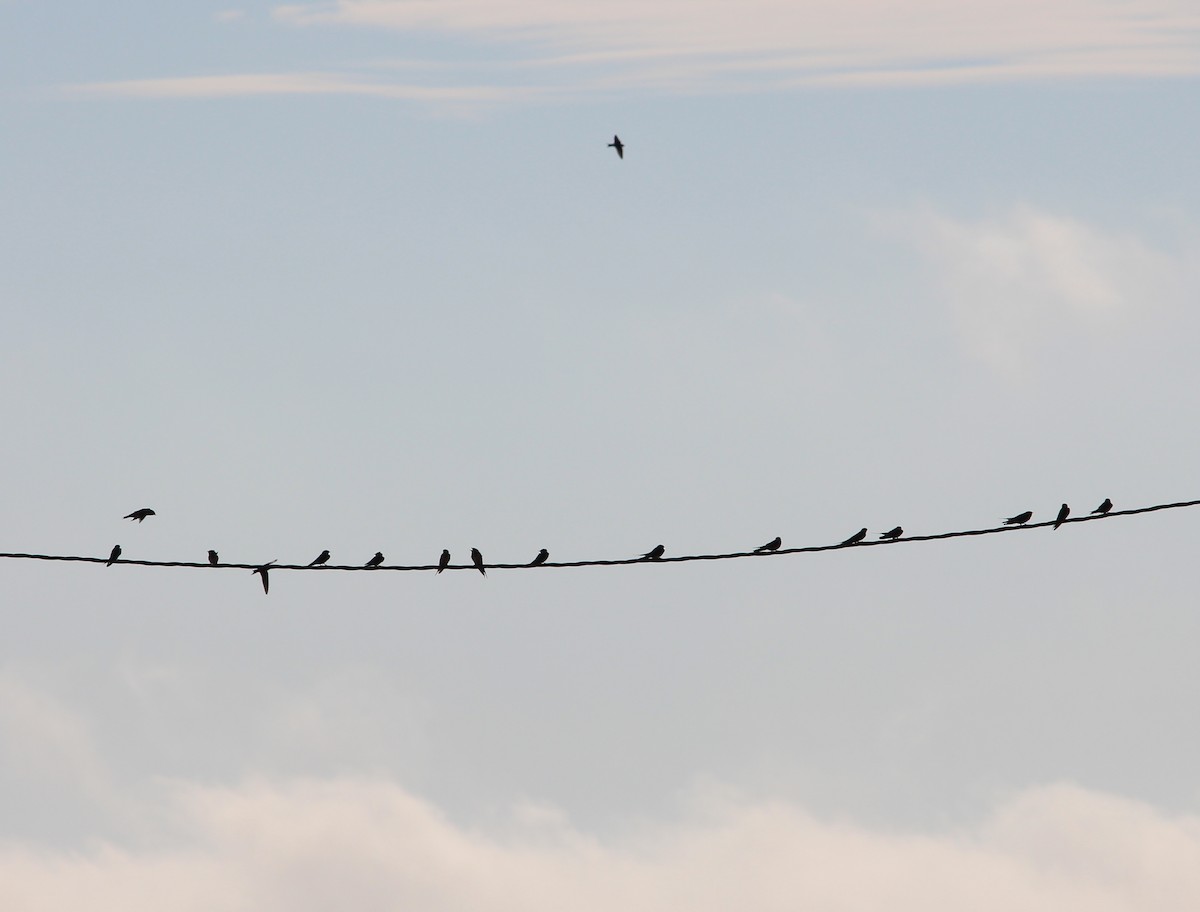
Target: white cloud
[
  {"x": 819, "y": 39},
  {"x": 569, "y": 48},
  {"x": 1016, "y": 281},
  {"x": 368, "y": 845},
  {"x": 230, "y": 15}
]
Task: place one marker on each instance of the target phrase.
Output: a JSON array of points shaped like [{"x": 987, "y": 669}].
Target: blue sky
[{"x": 364, "y": 276}]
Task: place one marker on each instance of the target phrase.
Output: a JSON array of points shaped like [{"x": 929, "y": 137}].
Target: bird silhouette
[
  {"x": 444, "y": 560},
  {"x": 892, "y": 534},
  {"x": 618, "y": 145},
  {"x": 772, "y": 545},
  {"x": 116, "y": 552},
  {"x": 1103, "y": 509},
  {"x": 139, "y": 515},
  {"x": 477, "y": 560},
  {"x": 321, "y": 558},
  {"x": 212, "y": 558},
  {"x": 856, "y": 537},
  {"x": 1063, "y": 512},
  {"x": 1020, "y": 519},
  {"x": 657, "y": 552},
  {"x": 262, "y": 572},
  {"x": 542, "y": 557},
  {"x": 375, "y": 561}
]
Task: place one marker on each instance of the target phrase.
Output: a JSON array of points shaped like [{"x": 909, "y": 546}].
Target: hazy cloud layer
[
  {"x": 369, "y": 845},
  {"x": 591, "y": 47},
  {"x": 1017, "y": 280}
]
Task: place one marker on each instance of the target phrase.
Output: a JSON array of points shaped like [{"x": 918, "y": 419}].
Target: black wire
[{"x": 810, "y": 549}]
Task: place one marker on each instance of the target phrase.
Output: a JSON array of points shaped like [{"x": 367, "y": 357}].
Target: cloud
[
  {"x": 816, "y": 40},
  {"x": 1016, "y": 281},
  {"x": 553, "y": 49},
  {"x": 305, "y": 844}
]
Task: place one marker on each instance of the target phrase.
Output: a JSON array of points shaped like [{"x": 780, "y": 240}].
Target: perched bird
[
  {"x": 1103, "y": 509},
  {"x": 212, "y": 557},
  {"x": 321, "y": 558},
  {"x": 1063, "y": 512},
  {"x": 618, "y": 145},
  {"x": 542, "y": 557},
  {"x": 116, "y": 552},
  {"x": 772, "y": 545},
  {"x": 856, "y": 537},
  {"x": 1020, "y": 519},
  {"x": 477, "y": 560},
  {"x": 444, "y": 560},
  {"x": 141, "y": 514},
  {"x": 375, "y": 561},
  {"x": 892, "y": 534},
  {"x": 659, "y": 551},
  {"x": 262, "y": 572}
]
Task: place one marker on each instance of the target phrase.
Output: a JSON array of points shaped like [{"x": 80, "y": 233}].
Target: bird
[
  {"x": 444, "y": 560},
  {"x": 542, "y": 557},
  {"x": 321, "y": 558},
  {"x": 1020, "y": 519},
  {"x": 856, "y": 537},
  {"x": 477, "y": 560},
  {"x": 1103, "y": 509},
  {"x": 618, "y": 145},
  {"x": 772, "y": 545},
  {"x": 212, "y": 557},
  {"x": 892, "y": 534},
  {"x": 1063, "y": 512},
  {"x": 141, "y": 514},
  {"x": 657, "y": 552},
  {"x": 375, "y": 561},
  {"x": 116, "y": 552},
  {"x": 262, "y": 571}
]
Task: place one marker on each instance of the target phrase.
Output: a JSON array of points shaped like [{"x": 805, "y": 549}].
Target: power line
[{"x": 612, "y": 562}]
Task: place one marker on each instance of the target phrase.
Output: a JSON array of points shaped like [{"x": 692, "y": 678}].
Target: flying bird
[
  {"x": 212, "y": 557},
  {"x": 375, "y": 561},
  {"x": 477, "y": 560},
  {"x": 141, "y": 514},
  {"x": 1103, "y": 509},
  {"x": 1020, "y": 519},
  {"x": 444, "y": 560},
  {"x": 856, "y": 537},
  {"x": 542, "y": 557},
  {"x": 116, "y": 552},
  {"x": 618, "y": 145},
  {"x": 321, "y": 558},
  {"x": 659, "y": 551},
  {"x": 262, "y": 572},
  {"x": 892, "y": 534},
  {"x": 1063, "y": 512},
  {"x": 772, "y": 545}
]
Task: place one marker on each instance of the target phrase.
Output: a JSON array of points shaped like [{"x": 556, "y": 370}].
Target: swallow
[
  {"x": 1020, "y": 519},
  {"x": 855, "y": 538},
  {"x": 477, "y": 560},
  {"x": 892, "y": 534},
  {"x": 772, "y": 545},
  {"x": 375, "y": 561},
  {"x": 141, "y": 514},
  {"x": 321, "y": 558},
  {"x": 116, "y": 552},
  {"x": 444, "y": 560},
  {"x": 262, "y": 571},
  {"x": 542, "y": 557},
  {"x": 212, "y": 557},
  {"x": 1103, "y": 509},
  {"x": 618, "y": 145},
  {"x": 1063, "y": 512},
  {"x": 659, "y": 551}
]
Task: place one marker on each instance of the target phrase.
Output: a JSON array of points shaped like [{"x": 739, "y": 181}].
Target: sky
[{"x": 364, "y": 276}]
